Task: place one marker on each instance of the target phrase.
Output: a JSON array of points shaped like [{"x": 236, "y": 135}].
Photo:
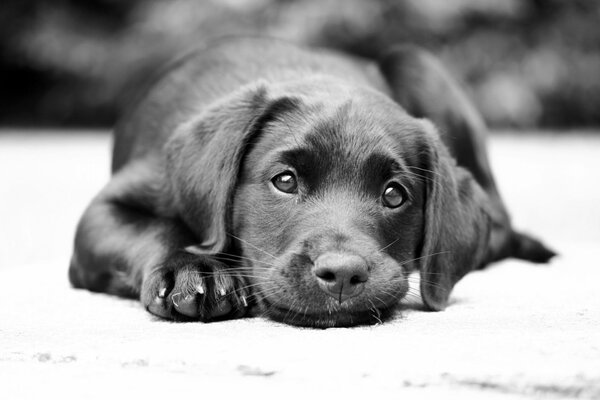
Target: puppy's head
[{"x": 332, "y": 197}]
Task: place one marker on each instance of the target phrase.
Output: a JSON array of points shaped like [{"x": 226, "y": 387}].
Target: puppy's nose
[{"x": 341, "y": 276}]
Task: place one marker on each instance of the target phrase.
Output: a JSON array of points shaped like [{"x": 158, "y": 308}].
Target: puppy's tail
[{"x": 525, "y": 247}]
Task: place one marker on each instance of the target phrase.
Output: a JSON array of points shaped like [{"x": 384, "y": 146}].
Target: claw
[
  {"x": 162, "y": 293},
  {"x": 244, "y": 301},
  {"x": 174, "y": 300},
  {"x": 200, "y": 288}
]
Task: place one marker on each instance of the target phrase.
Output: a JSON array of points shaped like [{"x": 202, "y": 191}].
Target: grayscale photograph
[{"x": 281, "y": 199}]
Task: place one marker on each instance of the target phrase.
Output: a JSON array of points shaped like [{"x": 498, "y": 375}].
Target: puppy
[{"x": 304, "y": 184}]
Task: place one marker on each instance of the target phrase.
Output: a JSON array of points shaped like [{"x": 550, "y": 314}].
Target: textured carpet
[{"x": 513, "y": 331}]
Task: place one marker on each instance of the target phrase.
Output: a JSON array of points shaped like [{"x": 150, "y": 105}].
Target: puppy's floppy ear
[
  {"x": 204, "y": 157},
  {"x": 456, "y": 227}
]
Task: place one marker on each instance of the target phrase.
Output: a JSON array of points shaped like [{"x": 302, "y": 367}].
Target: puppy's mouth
[
  {"x": 344, "y": 317},
  {"x": 338, "y": 290}
]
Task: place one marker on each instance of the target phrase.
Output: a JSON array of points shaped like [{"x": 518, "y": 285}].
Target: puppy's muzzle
[{"x": 341, "y": 275}]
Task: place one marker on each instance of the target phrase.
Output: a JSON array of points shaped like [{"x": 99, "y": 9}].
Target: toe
[
  {"x": 222, "y": 308},
  {"x": 155, "y": 291},
  {"x": 159, "y": 306},
  {"x": 186, "y": 304},
  {"x": 189, "y": 292}
]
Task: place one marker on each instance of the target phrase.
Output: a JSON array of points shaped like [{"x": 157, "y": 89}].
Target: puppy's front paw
[{"x": 194, "y": 287}]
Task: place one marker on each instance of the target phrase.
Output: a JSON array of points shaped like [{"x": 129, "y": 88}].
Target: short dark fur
[{"x": 191, "y": 224}]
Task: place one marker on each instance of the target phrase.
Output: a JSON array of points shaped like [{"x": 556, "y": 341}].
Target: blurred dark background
[{"x": 526, "y": 63}]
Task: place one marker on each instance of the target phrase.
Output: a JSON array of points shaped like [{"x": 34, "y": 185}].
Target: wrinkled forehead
[{"x": 360, "y": 131}]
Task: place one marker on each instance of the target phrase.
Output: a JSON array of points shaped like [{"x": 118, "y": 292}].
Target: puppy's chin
[{"x": 342, "y": 317}]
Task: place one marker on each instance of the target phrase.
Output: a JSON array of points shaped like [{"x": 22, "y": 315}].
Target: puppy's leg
[
  {"x": 422, "y": 86},
  {"x": 122, "y": 247}
]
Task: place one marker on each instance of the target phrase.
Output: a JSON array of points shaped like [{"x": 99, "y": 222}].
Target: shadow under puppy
[{"x": 304, "y": 183}]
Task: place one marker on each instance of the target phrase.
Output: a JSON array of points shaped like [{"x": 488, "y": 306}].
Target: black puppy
[{"x": 307, "y": 183}]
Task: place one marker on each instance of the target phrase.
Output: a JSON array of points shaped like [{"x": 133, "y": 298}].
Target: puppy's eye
[
  {"x": 394, "y": 195},
  {"x": 285, "y": 182}
]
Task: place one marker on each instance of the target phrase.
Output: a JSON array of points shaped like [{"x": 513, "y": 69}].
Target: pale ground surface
[{"x": 514, "y": 331}]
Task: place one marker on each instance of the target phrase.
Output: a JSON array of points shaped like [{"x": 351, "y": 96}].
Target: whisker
[
  {"x": 424, "y": 170},
  {"x": 425, "y": 256},
  {"x": 233, "y": 274},
  {"x": 418, "y": 176},
  {"x": 267, "y": 311},
  {"x": 266, "y": 292},
  {"x": 250, "y": 244},
  {"x": 248, "y": 268},
  {"x": 377, "y": 298},
  {"x": 394, "y": 296},
  {"x": 377, "y": 314},
  {"x": 413, "y": 292},
  {"x": 424, "y": 177},
  {"x": 290, "y": 308},
  {"x": 393, "y": 242},
  {"x": 434, "y": 284},
  {"x": 248, "y": 286},
  {"x": 412, "y": 296},
  {"x": 433, "y": 273},
  {"x": 235, "y": 257}
]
